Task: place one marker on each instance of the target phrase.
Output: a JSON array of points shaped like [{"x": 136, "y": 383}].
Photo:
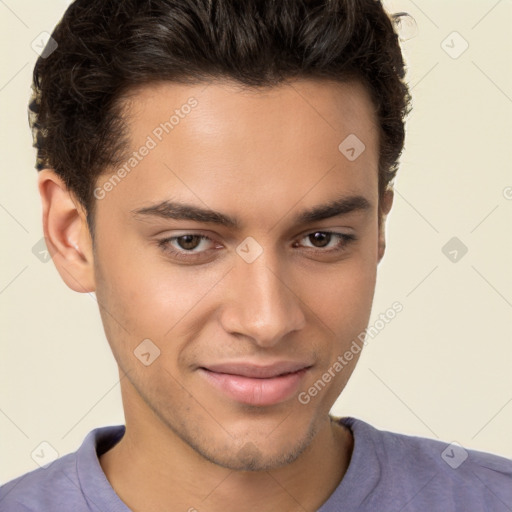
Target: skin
[{"x": 261, "y": 156}]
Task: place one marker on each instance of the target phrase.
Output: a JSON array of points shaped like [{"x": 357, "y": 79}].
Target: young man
[{"x": 219, "y": 174}]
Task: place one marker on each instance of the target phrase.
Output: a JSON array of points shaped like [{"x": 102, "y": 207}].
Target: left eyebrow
[
  {"x": 337, "y": 208},
  {"x": 181, "y": 211}
]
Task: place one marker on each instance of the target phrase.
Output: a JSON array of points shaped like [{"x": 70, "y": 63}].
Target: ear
[
  {"x": 384, "y": 207},
  {"x": 66, "y": 232}
]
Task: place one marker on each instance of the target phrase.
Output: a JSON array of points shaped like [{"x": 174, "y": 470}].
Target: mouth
[{"x": 256, "y": 385}]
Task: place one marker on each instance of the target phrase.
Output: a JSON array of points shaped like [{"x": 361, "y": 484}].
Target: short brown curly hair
[{"x": 108, "y": 47}]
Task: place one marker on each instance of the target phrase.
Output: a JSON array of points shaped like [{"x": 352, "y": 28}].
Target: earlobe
[
  {"x": 384, "y": 209},
  {"x": 66, "y": 232}
]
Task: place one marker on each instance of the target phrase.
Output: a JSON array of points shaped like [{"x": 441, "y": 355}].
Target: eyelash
[{"x": 184, "y": 255}]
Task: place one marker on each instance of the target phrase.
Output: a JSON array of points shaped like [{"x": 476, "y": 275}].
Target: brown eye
[
  {"x": 188, "y": 242},
  {"x": 187, "y": 246},
  {"x": 320, "y": 238},
  {"x": 322, "y": 241}
]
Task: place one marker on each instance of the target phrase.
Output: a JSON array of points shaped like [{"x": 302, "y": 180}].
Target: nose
[{"x": 260, "y": 304}]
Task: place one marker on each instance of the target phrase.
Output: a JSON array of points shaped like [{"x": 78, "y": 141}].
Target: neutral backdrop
[{"x": 440, "y": 369}]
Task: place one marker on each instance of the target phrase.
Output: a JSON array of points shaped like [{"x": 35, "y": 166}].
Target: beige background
[{"x": 440, "y": 369}]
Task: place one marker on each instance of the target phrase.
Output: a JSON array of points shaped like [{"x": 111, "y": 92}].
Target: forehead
[
  {"x": 289, "y": 108},
  {"x": 215, "y": 142}
]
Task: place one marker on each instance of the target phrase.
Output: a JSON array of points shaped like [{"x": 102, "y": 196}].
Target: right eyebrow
[{"x": 181, "y": 211}]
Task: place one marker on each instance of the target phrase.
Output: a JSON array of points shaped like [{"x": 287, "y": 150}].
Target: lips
[
  {"x": 255, "y": 384},
  {"x": 258, "y": 372}
]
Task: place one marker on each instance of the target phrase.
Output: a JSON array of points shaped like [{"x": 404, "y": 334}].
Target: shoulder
[
  {"x": 63, "y": 484},
  {"x": 43, "y": 487},
  {"x": 434, "y": 470}
]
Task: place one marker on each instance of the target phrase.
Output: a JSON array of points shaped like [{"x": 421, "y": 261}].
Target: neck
[{"x": 151, "y": 468}]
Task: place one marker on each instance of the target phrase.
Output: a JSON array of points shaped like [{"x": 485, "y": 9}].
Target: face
[{"x": 235, "y": 261}]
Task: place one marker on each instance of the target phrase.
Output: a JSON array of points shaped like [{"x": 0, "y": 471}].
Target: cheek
[
  {"x": 342, "y": 294},
  {"x": 343, "y": 308},
  {"x": 149, "y": 294},
  {"x": 341, "y": 297}
]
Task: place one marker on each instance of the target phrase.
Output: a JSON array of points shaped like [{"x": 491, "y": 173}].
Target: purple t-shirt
[{"x": 387, "y": 472}]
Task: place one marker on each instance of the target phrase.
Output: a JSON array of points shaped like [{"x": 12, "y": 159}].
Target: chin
[
  {"x": 252, "y": 452},
  {"x": 252, "y": 458}
]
